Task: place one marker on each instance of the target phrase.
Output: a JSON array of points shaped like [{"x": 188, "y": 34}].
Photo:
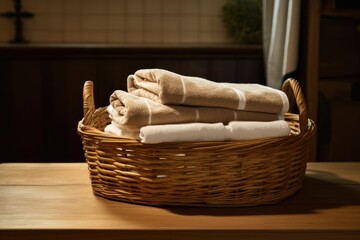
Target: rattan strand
[{"x": 213, "y": 174}]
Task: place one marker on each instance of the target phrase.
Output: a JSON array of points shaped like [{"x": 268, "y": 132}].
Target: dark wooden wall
[
  {"x": 41, "y": 88},
  {"x": 339, "y": 91}
]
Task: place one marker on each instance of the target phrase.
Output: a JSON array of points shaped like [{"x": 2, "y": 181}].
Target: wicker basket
[{"x": 232, "y": 173}]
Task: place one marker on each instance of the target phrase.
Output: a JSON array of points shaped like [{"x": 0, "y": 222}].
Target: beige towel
[
  {"x": 134, "y": 112},
  {"x": 171, "y": 88}
]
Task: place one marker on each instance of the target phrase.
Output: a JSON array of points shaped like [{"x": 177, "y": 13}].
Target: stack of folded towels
[{"x": 163, "y": 106}]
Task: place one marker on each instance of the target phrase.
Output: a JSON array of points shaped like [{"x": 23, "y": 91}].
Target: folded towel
[
  {"x": 236, "y": 130},
  {"x": 122, "y": 131},
  {"x": 134, "y": 112},
  {"x": 171, "y": 88},
  {"x": 194, "y": 132}
]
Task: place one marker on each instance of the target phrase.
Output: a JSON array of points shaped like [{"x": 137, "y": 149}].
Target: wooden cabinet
[
  {"x": 41, "y": 88},
  {"x": 331, "y": 69}
]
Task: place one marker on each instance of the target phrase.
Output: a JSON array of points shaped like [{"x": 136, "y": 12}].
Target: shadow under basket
[{"x": 209, "y": 174}]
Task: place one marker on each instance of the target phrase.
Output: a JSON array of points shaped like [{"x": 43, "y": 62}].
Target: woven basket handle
[
  {"x": 292, "y": 88},
  {"x": 88, "y": 102}
]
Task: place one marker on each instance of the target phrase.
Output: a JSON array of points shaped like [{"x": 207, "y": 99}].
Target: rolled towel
[
  {"x": 134, "y": 112},
  {"x": 171, "y": 88},
  {"x": 236, "y": 130},
  {"x": 194, "y": 132}
]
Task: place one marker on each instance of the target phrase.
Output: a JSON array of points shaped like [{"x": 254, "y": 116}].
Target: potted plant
[{"x": 243, "y": 20}]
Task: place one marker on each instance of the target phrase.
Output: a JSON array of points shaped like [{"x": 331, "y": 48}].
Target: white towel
[
  {"x": 185, "y": 132},
  {"x": 121, "y": 131},
  {"x": 244, "y": 130},
  {"x": 194, "y": 132}
]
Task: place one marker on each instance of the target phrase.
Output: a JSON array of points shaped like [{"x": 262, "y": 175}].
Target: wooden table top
[{"x": 55, "y": 201}]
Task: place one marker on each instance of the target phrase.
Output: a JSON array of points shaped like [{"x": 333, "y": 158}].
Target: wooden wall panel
[
  {"x": 339, "y": 51},
  {"x": 250, "y": 71},
  {"x": 6, "y": 114},
  {"x": 223, "y": 70},
  {"x": 169, "y": 64},
  {"x": 26, "y": 110},
  {"x": 194, "y": 67},
  {"x": 55, "y": 110},
  {"x": 43, "y": 89}
]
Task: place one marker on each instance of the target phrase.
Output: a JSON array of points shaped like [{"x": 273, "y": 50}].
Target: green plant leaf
[{"x": 243, "y": 20}]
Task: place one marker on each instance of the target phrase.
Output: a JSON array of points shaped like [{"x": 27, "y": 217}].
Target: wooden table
[{"x": 55, "y": 201}]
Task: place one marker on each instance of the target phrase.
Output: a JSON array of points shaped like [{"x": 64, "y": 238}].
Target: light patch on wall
[{"x": 119, "y": 21}]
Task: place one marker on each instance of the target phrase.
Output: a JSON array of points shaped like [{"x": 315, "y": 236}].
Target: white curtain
[{"x": 281, "y": 27}]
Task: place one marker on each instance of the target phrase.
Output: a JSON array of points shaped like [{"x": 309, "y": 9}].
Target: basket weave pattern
[{"x": 232, "y": 173}]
